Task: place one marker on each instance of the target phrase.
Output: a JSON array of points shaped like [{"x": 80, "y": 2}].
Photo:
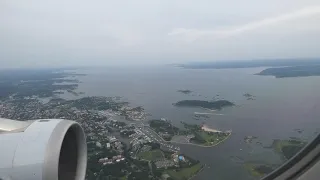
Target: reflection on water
[{"x": 280, "y": 106}]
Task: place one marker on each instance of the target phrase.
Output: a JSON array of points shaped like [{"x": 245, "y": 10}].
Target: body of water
[{"x": 280, "y": 106}]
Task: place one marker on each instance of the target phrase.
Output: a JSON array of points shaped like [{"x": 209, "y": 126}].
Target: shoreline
[
  {"x": 199, "y": 145},
  {"x": 198, "y": 172}
]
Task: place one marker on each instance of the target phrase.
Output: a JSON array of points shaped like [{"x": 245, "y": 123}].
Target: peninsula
[
  {"x": 294, "y": 71},
  {"x": 192, "y": 134}
]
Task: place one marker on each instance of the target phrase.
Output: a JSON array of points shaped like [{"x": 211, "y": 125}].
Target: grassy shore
[
  {"x": 151, "y": 155},
  {"x": 185, "y": 173}
]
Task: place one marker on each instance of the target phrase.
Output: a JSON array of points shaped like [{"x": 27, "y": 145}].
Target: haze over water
[{"x": 280, "y": 106}]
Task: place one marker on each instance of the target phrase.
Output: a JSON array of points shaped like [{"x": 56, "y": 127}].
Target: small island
[
  {"x": 249, "y": 96},
  {"x": 298, "y": 130},
  {"x": 186, "y": 91},
  {"x": 249, "y": 139},
  {"x": 212, "y": 105},
  {"x": 258, "y": 170},
  {"x": 288, "y": 148}
]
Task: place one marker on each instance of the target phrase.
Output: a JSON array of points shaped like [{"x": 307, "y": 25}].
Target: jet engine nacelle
[{"x": 46, "y": 149}]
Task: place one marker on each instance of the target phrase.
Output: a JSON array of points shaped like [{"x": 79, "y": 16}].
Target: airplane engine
[{"x": 45, "y": 149}]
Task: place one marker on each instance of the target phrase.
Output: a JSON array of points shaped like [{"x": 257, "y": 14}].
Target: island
[
  {"x": 298, "y": 130},
  {"x": 293, "y": 71},
  {"x": 185, "y": 91},
  {"x": 258, "y": 170},
  {"x": 288, "y": 148},
  {"x": 212, "y": 105},
  {"x": 249, "y": 96},
  {"x": 249, "y": 139},
  {"x": 285, "y": 148}
]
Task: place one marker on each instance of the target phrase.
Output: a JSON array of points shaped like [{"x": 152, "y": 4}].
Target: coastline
[
  {"x": 198, "y": 172},
  {"x": 199, "y": 145}
]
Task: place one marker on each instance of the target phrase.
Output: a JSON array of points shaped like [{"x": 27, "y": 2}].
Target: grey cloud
[
  {"x": 193, "y": 34},
  {"x": 102, "y": 32}
]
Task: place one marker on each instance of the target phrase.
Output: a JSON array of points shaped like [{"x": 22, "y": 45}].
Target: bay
[{"x": 280, "y": 106}]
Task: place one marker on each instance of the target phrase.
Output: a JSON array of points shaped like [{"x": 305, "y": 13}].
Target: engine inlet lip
[{"x": 52, "y": 154}]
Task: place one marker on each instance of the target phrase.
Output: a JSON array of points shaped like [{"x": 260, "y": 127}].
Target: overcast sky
[{"x": 102, "y": 32}]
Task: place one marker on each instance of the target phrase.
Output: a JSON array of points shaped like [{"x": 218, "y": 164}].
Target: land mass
[
  {"x": 258, "y": 170},
  {"x": 250, "y": 63},
  {"x": 185, "y": 91},
  {"x": 285, "y": 148},
  {"x": 205, "y": 136},
  {"x": 164, "y": 129},
  {"x": 249, "y": 96},
  {"x": 40, "y": 83},
  {"x": 191, "y": 134},
  {"x": 288, "y": 148},
  {"x": 213, "y": 105},
  {"x": 294, "y": 71},
  {"x": 34, "y": 94},
  {"x": 21, "y": 98}
]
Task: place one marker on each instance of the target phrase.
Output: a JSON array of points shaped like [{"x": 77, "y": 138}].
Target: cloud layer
[
  {"x": 193, "y": 34},
  {"x": 103, "y": 32}
]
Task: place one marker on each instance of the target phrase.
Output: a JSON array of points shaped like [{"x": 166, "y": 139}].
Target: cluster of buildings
[
  {"x": 135, "y": 114},
  {"x": 112, "y": 160},
  {"x": 96, "y": 123},
  {"x": 164, "y": 163},
  {"x": 34, "y": 108},
  {"x": 174, "y": 161},
  {"x": 178, "y": 158},
  {"x": 20, "y": 110},
  {"x": 138, "y": 140}
]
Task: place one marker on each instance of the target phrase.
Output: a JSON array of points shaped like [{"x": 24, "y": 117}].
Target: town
[{"x": 117, "y": 138}]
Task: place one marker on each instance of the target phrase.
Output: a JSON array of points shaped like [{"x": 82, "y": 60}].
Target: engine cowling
[{"x": 46, "y": 149}]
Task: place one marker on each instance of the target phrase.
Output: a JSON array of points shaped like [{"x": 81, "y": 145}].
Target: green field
[
  {"x": 208, "y": 139},
  {"x": 123, "y": 178},
  {"x": 184, "y": 173},
  {"x": 252, "y": 170},
  {"x": 151, "y": 155}
]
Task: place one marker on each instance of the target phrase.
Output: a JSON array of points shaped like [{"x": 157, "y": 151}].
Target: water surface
[{"x": 281, "y": 106}]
